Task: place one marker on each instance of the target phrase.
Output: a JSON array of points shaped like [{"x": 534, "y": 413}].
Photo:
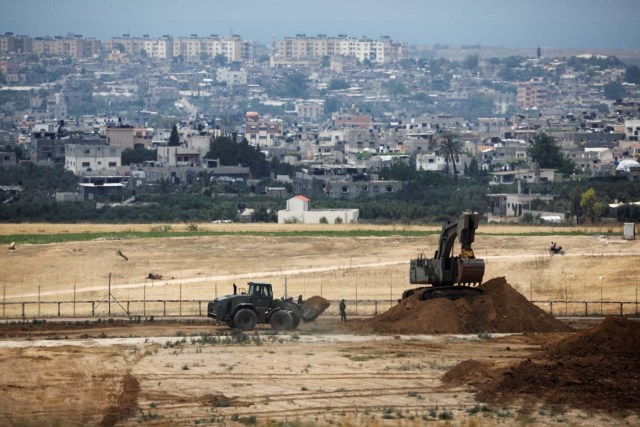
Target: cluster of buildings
[{"x": 339, "y": 110}]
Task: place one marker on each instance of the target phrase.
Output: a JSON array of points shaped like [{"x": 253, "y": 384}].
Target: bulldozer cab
[{"x": 261, "y": 294}]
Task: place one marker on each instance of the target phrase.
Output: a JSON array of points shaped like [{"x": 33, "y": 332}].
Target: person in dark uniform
[{"x": 343, "y": 311}]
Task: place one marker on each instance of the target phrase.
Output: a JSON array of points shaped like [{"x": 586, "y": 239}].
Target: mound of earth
[
  {"x": 597, "y": 369},
  {"x": 500, "y": 308},
  {"x": 472, "y": 372}
]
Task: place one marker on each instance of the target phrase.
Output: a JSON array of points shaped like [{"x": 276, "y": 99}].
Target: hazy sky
[{"x": 509, "y": 23}]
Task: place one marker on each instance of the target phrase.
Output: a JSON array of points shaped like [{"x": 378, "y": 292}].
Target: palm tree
[
  {"x": 452, "y": 148},
  {"x": 227, "y": 126}
]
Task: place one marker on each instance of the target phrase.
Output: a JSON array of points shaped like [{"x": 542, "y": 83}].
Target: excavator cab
[{"x": 449, "y": 276}]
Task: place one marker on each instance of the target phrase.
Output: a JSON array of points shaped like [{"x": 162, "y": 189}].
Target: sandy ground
[
  {"x": 164, "y": 374},
  {"x": 321, "y": 374}
]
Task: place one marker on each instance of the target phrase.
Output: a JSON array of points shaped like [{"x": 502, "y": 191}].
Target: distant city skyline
[{"x": 580, "y": 24}]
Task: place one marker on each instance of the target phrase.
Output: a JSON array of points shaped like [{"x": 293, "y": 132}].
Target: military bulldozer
[
  {"x": 449, "y": 276},
  {"x": 246, "y": 309}
]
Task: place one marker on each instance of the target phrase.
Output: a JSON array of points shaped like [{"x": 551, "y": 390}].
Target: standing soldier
[{"x": 343, "y": 311}]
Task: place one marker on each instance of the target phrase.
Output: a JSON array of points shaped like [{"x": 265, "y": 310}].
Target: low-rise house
[
  {"x": 178, "y": 156},
  {"x": 298, "y": 211},
  {"x": 506, "y": 207},
  {"x": 524, "y": 175},
  {"x": 81, "y": 158}
]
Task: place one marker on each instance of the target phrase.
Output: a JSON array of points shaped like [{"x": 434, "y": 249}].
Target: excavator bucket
[
  {"x": 470, "y": 271},
  {"x": 313, "y": 307}
]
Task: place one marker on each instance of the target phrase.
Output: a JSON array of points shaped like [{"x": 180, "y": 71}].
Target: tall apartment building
[
  {"x": 73, "y": 47},
  {"x": 161, "y": 48},
  {"x": 261, "y": 132},
  {"x": 381, "y": 51},
  {"x": 10, "y": 43},
  {"x": 531, "y": 95},
  {"x": 231, "y": 47}
]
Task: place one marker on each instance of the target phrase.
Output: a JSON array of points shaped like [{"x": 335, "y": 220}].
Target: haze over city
[{"x": 547, "y": 23}]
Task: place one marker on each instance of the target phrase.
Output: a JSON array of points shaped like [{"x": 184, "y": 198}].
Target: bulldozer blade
[{"x": 313, "y": 307}]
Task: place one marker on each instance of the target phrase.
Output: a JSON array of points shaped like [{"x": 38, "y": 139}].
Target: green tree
[
  {"x": 396, "y": 88},
  {"x": 239, "y": 153},
  {"x": 138, "y": 154},
  {"x": 544, "y": 150},
  {"x": 452, "y": 148},
  {"x": 471, "y": 62},
  {"x": 337, "y": 84},
  {"x": 591, "y": 206},
  {"x": 228, "y": 126},
  {"x": 614, "y": 90},
  {"x": 219, "y": 59},
  {"x": 293, "y": 86},
  {"x": 632, "y": 74},
  {"x": 174, "y": 138}
]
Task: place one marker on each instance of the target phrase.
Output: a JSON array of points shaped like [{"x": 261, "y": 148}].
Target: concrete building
[
  {"x": 507, "y": 207},
  {"x": 81, "y": 158},
  {"x": 178, "y": 156},
  {"x": 11, "y": 43},
  {"x": 265, "y": 133},
  {"x": 311, "y": 109},
  {"x": 231, "y": 77},
  {"x": 161, "y": 48},
  {"x": 381, "y": 51},
  {"x": 73, "y": 47},
  {"x": 298, "y": 211},
  {"x": 532, "y": 94},
  {"x": 231, "y": 47}
]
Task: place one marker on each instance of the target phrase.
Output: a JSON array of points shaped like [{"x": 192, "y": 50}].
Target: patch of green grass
[{"x": 166, "y": 231}]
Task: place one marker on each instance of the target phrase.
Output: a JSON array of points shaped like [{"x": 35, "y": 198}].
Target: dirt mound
[
  {"x": 500, "y": 308},
  {"x": 597, "y": 369},
  {"x": 470, "y": 372},
  {"x": 126, "y": 402}
]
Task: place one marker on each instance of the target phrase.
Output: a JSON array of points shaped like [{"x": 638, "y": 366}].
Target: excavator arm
[{"x": 445, "y": 269}]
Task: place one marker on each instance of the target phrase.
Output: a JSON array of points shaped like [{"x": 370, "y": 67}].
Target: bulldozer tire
[
  {"x": 281, "y": 320},
  {"x": 245, "y": 319},
  {"x": 296, "y": 321}
]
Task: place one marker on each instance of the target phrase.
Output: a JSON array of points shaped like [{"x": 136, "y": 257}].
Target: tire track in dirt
[{"x": 298, "y": 271}]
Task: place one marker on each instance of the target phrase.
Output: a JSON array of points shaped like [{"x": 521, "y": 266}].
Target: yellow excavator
[{"x": 449, "y": 276}]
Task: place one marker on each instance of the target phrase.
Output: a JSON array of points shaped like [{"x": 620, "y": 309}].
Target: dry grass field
[
  {"x": 159, "y": 373},
  {"x": 355, "y": 268}
]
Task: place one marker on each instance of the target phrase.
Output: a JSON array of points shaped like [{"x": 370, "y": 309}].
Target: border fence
[{"x": 112, "y": 308}]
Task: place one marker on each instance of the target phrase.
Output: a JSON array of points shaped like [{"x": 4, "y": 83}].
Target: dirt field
[{"x": 179, "y": 373}]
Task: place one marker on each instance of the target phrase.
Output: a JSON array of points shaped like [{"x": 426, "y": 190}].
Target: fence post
[
  {"x": 128, "y": 308},
  {"x": 551, "y": 307},
  {"x": 93, "y": 309},
  {"x": 74, "y": 300},
  {"x": 59, "y": 308},
  {"x": 586, "y": 308},
  {"x": 23, "y": 310},
  {"x": 356, "y": 296},
  {"x": 376, "y": 308},
  {"x": 4, "y": 298},
  {"x": 621, "y": 309},
  {"x": 180, "y": 305},
  {"x": 38, "y": 301},
  {"x": 164, "y": 310},
  {"x": 199, "y": 308}
]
